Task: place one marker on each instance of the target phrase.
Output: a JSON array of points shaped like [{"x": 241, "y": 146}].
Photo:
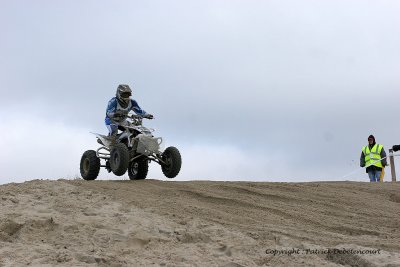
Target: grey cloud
[{"x": 307, "y": 80}]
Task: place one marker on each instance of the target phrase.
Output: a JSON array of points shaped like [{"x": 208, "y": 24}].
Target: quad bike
[{"x": 131, "y": 150}]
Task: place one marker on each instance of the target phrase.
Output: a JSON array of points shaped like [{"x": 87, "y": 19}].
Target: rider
[{"x": 119, "y": 107}]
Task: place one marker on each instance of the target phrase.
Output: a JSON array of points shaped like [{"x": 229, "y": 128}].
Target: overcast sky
[{"x": 247, "y": 90}]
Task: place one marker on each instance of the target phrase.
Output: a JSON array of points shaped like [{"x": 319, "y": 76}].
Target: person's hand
[
  {"x": 396, "y": 148},
  {"x": 148, "y": 116}
]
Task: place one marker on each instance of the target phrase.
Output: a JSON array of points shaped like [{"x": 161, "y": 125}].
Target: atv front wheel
[
  {"x": 90, "y": 165},
  {"x": 119, "y": 159},
  {"x": 138, "y": 169},
  {"x": 173, "y": 162}
]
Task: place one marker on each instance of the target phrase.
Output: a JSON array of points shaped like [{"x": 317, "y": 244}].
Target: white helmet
[{"x": 123, "y": 94}]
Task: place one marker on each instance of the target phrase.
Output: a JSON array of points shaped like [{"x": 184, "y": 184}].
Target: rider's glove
[
  {"x": 148, "y": 116},
  {"x": 396, "y": 148}
]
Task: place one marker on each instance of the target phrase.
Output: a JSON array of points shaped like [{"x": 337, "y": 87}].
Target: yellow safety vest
[{"x": 373, "y": 156}]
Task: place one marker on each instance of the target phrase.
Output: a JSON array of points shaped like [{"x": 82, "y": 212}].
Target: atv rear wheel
[
  {"x": 138, "y": 169},
  {"x": 90, "y": 165},
  {"x": 173, "y": 162},
  {"x": 119, "y": 159}
]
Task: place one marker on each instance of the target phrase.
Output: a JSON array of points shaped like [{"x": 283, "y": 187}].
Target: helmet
[{"x": 123, "y": 94}]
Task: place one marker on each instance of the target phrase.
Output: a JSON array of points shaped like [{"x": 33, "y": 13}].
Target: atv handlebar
[
  {"x": 137, "y": 119},
  {"x": 134, "y": 116},
  {"x": 140, "y": 117}
]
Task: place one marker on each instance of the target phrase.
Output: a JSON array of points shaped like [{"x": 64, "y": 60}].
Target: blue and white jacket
[{"x": 113, "y": 107}]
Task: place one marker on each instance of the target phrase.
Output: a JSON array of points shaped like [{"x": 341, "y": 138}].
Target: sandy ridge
[{"x": 197, "y": 223}]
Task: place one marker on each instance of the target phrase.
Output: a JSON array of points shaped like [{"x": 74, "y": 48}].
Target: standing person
[
  {"x": 118, "y": 108},
  {"x": 373, "y": 156}
]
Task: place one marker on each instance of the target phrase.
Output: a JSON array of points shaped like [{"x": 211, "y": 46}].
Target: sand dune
[{"x": 199, "y": 223}]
